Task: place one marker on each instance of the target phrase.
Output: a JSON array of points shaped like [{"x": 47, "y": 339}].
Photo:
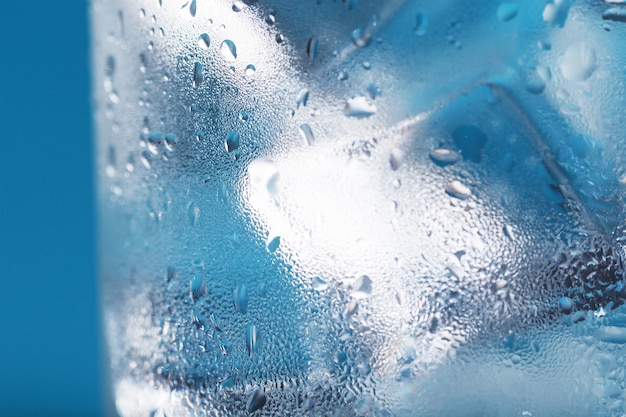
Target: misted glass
[{"x": 362, "y": 208}]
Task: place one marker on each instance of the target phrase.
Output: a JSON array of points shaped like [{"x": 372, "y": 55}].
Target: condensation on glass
[{"x": 347, "y": 208}]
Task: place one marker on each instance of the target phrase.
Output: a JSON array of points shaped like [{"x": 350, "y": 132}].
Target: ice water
[{"x": 362, "y": 208}]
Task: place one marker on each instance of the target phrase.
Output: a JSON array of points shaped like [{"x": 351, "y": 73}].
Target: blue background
[{"x": 49, "y": 329}]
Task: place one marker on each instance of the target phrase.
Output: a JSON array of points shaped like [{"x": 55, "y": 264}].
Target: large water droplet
[
  {"x": 443, "y": 157},
  {"x": 193, "y": 213},
  {"x": 470, "y": 140},
  {"x": 566, "y": 305},
  {"x": 198, "y": 288},
  {"x": 555, "y": 13},
  {"x": 250, "y": 70},
  {"x": 578, "y": 62},
  {"x": 198, "y": 76},
  {"x": 216, "y": 322},
  {"x": 238, "y": 6},
  {"x": 536, "y": 83},
  {"x": 361, "y": 37},
  {"x": 612, "y": 334},
  {"x": 319, "y": 284},
  {"x": 373, "y": 91},
  {"x": 362, "y": 288},
  {"x": 240, "y": 298},
  {"x": 252, "y": 339},
  {"x": 307, "y": 134},
  {"x": 229, "y": 50},
  {"x": 193, "y": 8},
  {"x": 421, "y": 24},
  {"x": 264, "y": 175},
  {"x": 311, "y": 48},
  {"x": 615, "y": 14},
  {"x": 458, "y": 190},
  {"x": 273, "y": 243},
  {"x": 359, "y": 107},
  {"x": 395, "y": 158},
  {"x": 302, "y": 98},
  {"x": 507, "y": 11},
  {"x": 204, "y": 41},
  {"x": 256, "y": 401},
  {"x": 228, "y": 383},
  {"x": 232, "y": 141}
]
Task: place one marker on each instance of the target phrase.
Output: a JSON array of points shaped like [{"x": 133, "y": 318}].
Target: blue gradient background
[{"x": 49, "y": 335}]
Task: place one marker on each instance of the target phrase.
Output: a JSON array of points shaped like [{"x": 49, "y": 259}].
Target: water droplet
[
  {"x": 537, "y": 81},
  {"x": 615, "y": 14},
  {"x": 240, "y": 298},
  {"x": 362, "y": 288},
  {"x": 216, "y": 322},
  {"x": 204, "y": 41},
  {"x": 252, "y": 339},
  {"x": 198, "y": 77},
  {"x": 280, "y": 38},
  {"x": 373, "y": 91},
  {"x": 366, "y": 65},
  {"x": 421, "y": 24},
  {"x": 319, "y": 284},
  {"x": 273, "y": 243},
  {"x": 458, "y": 190},
  {"x": 229, "y": 50},
  {"x": 243, "y": 116},
  {"x": 311, "y": 48},
  {"x": 271, "y": 18},
  {"x": 264, "y": 175},
  {"x": 395, "y": 158},
  {"x": 250, "y": 70},
  {"x": 302, "y": 98},
  {"x": 193, "y": 213},
  {"x": 443, "y": 157},
  {"x": 508, "y": 232},
  {"x": 350, "y": 4},
  {"x": 351, "y": 309},
  {"x": 256, "y": 401},
  {"x": 197, "y": 288},
  {"x": 155, "y": 137},
  {"x": 238, "y": 6},
  {"x": 342, "y": 76},
  {"x": 507, "y": 11},
  {"x": 535, "y": 85},
  {"x": 555, "y": 13},
  {"x": 307, "y": 134},
  {"x": 615, "y": 1},
  {"x": 566, "y": 305},
  {"x": 193, "y": 8},
  {"x": 171, "y": 274},
  {"x": 578, "y": 62},
  {"x": 612, "y": 334},
  {"x": 470, "y": 140},
  {"x": 228, "y": 382},
  {"x": 170, "y": 139},
  {"x": 146, "y": 159},
  {"x": 359, "y": 107},
  {"x": 361, "y": 37},
  {"x": 142, "y": 13},
  {"x": 232, "y": 141}
]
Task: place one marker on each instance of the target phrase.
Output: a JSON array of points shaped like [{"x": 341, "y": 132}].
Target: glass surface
[{"x": 325, "y": 208}]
